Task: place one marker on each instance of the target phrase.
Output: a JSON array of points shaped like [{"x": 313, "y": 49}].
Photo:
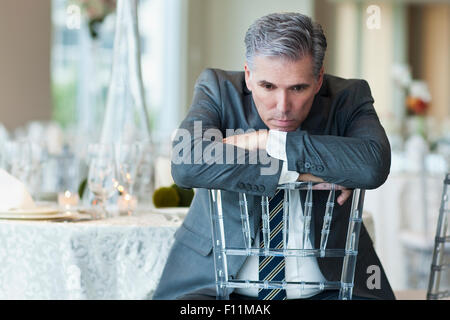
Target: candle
[
  {"x": 127, "y": 204},
  {"x": 68, "y": 199}
]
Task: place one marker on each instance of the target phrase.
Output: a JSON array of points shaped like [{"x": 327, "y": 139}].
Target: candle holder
[
  {"x": 127, "y": 204},
  {"x": 68, "y": 199}
]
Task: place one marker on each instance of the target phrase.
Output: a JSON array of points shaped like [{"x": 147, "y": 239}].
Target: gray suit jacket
[{"x": 340, "y": 141}]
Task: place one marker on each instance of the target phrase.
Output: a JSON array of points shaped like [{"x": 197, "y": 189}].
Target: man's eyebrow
[
  {"x": 303, "y": 85},
  {"x": 265, "y": 82}
]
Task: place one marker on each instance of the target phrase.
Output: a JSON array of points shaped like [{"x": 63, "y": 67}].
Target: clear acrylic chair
[
  {"x": 348, "y": 252},
  {"x": 440, "y": 265}
]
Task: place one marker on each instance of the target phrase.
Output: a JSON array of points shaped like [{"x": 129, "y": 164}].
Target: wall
[
  {"x": 25, "y": 28},
  {"x": 435, "y": 50},
  {"x": 377, "y": 54},
  {"x": 346, "y": 37},
  {"x": 325, "y": 15}
]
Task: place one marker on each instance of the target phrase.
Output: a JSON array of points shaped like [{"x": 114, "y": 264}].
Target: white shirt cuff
[
  {"x": 276, "y": 148},
  {"x": 287, "y": 176},
  {"x": 276, "y": 144}
]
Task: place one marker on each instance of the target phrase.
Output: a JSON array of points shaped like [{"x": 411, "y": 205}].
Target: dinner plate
[
  {"x": 37, "y": 211},
  {"x": 51, "y": 216}
]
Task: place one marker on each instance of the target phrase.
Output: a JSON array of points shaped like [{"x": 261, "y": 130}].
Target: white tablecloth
[{"x": 117, "y": 258}]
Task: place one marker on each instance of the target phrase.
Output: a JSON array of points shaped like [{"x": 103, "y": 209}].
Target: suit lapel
[{"x": 317, "y": 120}]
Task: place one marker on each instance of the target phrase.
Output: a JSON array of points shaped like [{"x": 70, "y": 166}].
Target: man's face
[{"x": 283, "y": 90}]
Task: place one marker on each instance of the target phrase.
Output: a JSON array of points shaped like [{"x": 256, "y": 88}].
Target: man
[{"x": 313, "y": 126}]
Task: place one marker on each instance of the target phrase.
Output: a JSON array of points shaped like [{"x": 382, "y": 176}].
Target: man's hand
[
  {"x": 250, "y": 141},
  {"x": 345, "y": 193}
]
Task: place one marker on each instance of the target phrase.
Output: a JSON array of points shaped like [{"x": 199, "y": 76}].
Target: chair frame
[
  {"x": 442, "y": 237},
  {"x": 349, "y": 253}
]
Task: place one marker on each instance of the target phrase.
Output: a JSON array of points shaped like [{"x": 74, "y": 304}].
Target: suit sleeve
[
  {"x": 201, "y": 160},
  {"x": 360, "y": 158}
]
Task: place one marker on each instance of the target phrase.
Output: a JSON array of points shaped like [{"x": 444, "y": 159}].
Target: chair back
[
  {"x": 348, "y": 252},
  {"x": 440, "y": 265}
]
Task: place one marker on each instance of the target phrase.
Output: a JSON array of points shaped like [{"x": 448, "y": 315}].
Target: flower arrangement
[
  {"x": 417, "y": 94},
  {"x": 95, "y": 11},
  {"x": 418, "y": 100}
]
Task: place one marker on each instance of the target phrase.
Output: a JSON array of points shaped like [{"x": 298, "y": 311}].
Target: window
[{"x": 81, "y": 66}]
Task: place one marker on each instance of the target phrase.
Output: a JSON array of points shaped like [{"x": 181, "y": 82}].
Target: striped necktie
[{"x": 272, "y": 268}]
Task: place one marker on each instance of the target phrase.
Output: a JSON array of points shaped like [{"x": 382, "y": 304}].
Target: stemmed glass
[
  {"x": 20, "y": 159},
  {"x": 102, "y": 175},
  {"x": 128, "y": 157},
  {"x": 145, "y": 174}
]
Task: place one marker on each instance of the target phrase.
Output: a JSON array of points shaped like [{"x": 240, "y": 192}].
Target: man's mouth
[{"x": 283, "y": 123}]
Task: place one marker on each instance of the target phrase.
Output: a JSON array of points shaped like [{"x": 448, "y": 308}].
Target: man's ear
[
  {"x": 247, "y": 77},
  {"x": 320, "y": 80}
]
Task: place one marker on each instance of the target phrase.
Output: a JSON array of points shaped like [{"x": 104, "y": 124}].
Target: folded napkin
[{"x": 13, "y": 193}]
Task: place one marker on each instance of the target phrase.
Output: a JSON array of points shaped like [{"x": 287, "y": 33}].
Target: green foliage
[
  {"x": 186, "y": 195},
  {"x": 166, "y": 197},
  {"x": 172, "y": 196},
  {"x": 82, "y": 187}
]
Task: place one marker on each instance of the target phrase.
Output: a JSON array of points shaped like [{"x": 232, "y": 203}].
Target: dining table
[{"x": 117, "y": 258}]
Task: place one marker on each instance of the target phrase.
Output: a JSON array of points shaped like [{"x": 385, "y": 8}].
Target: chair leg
[{"x": 441, "y": 238}]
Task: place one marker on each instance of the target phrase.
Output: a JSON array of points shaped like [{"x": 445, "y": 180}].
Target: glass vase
[
  {"x": 90, "y": 102},
  {"x": 126, "y": 116}
]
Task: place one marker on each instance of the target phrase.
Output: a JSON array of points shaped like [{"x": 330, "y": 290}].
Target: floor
[{"x": 411, "y": 295}]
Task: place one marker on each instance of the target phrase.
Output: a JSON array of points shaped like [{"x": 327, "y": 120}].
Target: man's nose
[{"x": 283, "y": 104}]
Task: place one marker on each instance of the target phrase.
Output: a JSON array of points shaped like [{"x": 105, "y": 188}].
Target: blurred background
[{"x": 55, "y": 70}]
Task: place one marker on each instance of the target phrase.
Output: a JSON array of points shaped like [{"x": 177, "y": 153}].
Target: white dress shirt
[{"x": 296, "y": 268}]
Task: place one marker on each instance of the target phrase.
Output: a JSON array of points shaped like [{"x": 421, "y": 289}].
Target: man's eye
[
  {"x": 298, "y": 88},
  {"x": 267, "y": 86}
]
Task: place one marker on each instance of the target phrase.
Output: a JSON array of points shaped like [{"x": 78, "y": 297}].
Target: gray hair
[{"x": 289, "y": 35}]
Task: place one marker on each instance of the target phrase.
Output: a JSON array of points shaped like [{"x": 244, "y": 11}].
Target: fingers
[{"x": 345, "y": 194}]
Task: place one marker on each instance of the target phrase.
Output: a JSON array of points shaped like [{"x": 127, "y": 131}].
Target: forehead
[{"x": 282, "y": 71}]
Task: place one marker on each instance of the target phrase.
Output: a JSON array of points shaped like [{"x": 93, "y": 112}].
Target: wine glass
[
  {"x": 20, "y": 159},
  {"x": 145, "y": 176},
  {"x": 102, "y": 176},
  {"x": 127, "y": 158}
]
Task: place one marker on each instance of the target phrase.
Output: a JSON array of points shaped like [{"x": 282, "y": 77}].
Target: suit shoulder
[
  {"x": 223, "y": 78},
  {"x": 336, "y": 87}
]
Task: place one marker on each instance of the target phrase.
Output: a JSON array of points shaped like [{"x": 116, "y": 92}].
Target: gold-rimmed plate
[
  {"x": 37, "y": 211},
  {"x": 44, "y": 216}
]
